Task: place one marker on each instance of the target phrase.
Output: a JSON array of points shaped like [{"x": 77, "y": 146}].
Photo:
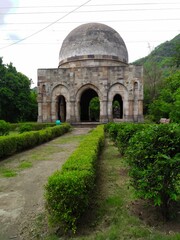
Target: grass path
[
  {"x": 22, "y": 180},
  {"x": 112, "y": 214}
]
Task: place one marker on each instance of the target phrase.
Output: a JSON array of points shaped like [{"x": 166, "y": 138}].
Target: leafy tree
[
  {"x": 152, "y": 82},
  {"x": 16, "y": 101},
  {"x": 168, "y": 103},
  {"x": 94, "y": 108}
]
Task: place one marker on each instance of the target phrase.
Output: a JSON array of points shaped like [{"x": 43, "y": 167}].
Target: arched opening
[
  {"x": 88, "y": 103},
  {"x": 117, "y": 106},
  {"x": 61, "y": 111}
]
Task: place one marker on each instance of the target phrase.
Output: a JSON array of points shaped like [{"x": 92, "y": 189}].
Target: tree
[
  {"x": 152, "y": 82},
  {"x": 168, "y": 103},
  {"x": 94, "y": 108},
  {"x": 16, "y": 102}
]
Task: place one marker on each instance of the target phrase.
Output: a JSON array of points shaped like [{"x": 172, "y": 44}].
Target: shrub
[
  {"x": 124, "y": 134},
  {"x": 26, "y": 127},
  {"x": 4, "y": 128},
  {"x": 112, "y": 129},
  {"x": 68, "y": 191},
  {"x": 26, "y": 140},
  {"x": 154, "y": 158}
]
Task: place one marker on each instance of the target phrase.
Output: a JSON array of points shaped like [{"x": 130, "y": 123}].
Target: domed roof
[{"x": 93, "y": 40}]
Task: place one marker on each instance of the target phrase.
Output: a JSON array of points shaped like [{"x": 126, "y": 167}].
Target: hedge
[
  {"x": 68, "y": 191},
  {"x": 4, "y": 128},
  {"x": 34, "y": 125},
  {"x": 26, "y": 140}
]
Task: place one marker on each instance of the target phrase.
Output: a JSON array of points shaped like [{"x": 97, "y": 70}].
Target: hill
[
  {"x": 162, "y": 81},
  {"x": 166, "y": 54}
]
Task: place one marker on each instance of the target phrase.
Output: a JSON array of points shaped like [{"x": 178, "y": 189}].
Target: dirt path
[{"x": 21, "y": 196}]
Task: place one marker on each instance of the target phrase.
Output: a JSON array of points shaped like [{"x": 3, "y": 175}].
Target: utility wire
[
  {"x": 93, "y": 11},
  {"x": 94, "y": 5},
  {"x": 42, "y": 29},
  {"x": 80, "y": 22}
]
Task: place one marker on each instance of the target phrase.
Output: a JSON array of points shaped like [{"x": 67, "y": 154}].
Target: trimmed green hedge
[
  {"x": 68, "y": 191},
  {"x": 35, "y": 126},
  {"x": 4, "y": 128},
  {"x": 26, "y": 140}
]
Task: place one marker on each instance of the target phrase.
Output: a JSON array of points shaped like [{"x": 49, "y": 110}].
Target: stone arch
[
  {"x": 83, "y": 97},
  {"x": 121, "y": 91},
  {"x": 60, "y": 103}
]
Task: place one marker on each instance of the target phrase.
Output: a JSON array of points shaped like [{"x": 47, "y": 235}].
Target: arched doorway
[
  {"x": 85, "y": 112},
  {"x": 117, "y": 106},
  {"x": 61, "y": 109}
]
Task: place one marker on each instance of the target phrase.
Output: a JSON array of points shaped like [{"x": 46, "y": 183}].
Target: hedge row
[
  {"x": 18, "y": 143},
  {"x": 153, "y": 154},
  {"x": 34, "y": 125},
  {"x": 68, "y": 191}
]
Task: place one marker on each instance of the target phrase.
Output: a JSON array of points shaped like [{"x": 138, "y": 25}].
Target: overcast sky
[{"x": 32, "y": 31}]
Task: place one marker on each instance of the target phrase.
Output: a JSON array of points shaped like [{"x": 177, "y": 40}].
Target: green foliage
[
  {"x": 168, "y": 49},
  {"x": 112, "y": 129},
  {"x": 26, "y": 127},
  {"x": 125, "y": 132},
  {"x": 17, "y": 101},
  {"x": 168, "y": 103},
  {"x": 4, "y": 128},
  {"x": 26, "y": 140},
  {"x": 94, "y": 108},
  {"x": 68, "y": 191},
  {"x": 154, "y": 158},
  {"x": 160, "y": 64}
]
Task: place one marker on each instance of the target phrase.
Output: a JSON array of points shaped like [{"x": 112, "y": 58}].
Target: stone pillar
[
  {"x": 129, "y": 116},
  {"x": 140, "y": 108},
  {"x": 109, "y": 110},
  {"x": 103, "y": 112},
  {"x": 71, "y": 111},
  {"x": 53, "y": 110},
  {"x": 77, "y": 111},
  {"x": 48, "y": 110},
  {"x": 39, "y": 112}
]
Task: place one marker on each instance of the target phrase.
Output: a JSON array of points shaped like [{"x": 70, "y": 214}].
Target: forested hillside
[
  {"x": 162, "y": 81},
  {"x": 166, "y": 54}
]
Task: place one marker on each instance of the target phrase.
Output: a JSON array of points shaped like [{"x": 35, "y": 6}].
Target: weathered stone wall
[{"x": 106, "y": 80}]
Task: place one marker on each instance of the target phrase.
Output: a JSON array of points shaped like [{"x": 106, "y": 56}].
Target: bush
[
  {"x": 26, "y": 140},
  {"x": 4, "y": 128},
  {"x": 26, "y": 127},
  {"x": 154, "y": 158},
  {"x": 124, "y": 134},
  {"x": 112, "y": 129},
  {"x": 68, "y": 191}
]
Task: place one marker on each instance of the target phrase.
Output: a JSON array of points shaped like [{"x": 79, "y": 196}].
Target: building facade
[{"x": 93, "y": 62}]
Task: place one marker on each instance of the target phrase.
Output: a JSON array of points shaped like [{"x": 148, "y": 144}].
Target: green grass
[
  {"x": 6, "y": 172},
  {"x": 24, "y": 165}
]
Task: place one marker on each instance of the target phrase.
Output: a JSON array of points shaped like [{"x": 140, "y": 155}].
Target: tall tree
[
  {"x": 15, "y": 95},
  {"x": 168, "y": 103}
]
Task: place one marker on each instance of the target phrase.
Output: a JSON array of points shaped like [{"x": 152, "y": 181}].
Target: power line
[
  {"x": 93, "y": 5},
  {"x": 93, "y": 11},
  {"x": 42, "y": 29},
  {"x": 104, "y": 21}
]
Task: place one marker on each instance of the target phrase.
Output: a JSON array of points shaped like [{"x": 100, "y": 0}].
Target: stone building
[{"x": 93, "y": 62}]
